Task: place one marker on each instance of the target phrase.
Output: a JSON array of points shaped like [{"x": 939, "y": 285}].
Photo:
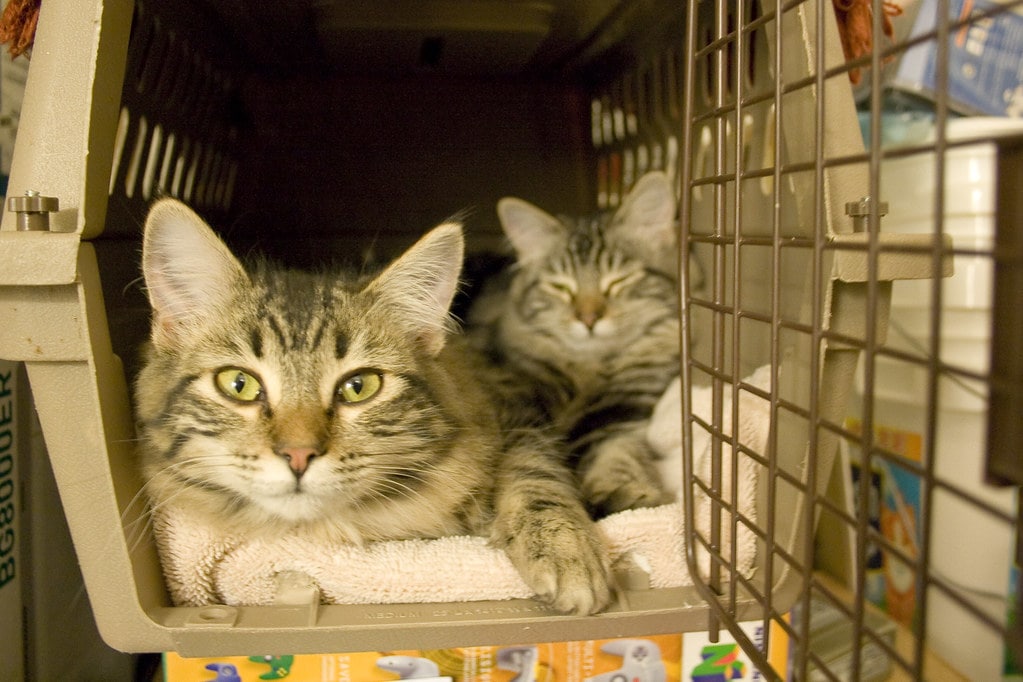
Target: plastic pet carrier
[{"x": 849, "y": 328}]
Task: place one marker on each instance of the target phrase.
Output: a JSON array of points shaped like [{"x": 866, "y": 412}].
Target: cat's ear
[
  {"x": 418, "y": 288},
  {"x": 533, "y": 233},
  {"x": 645, "y": 222},
  {"x": 189, "y": 271}
]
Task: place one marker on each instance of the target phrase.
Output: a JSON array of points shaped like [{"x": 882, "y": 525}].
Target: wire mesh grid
[{"x": 830, "y": 304}]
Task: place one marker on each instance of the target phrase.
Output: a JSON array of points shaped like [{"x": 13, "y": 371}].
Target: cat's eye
[
  {"x": 616, "y": 284},
  {"x": 238, "y": 384},
  {"x": 560, "y": 288},
  {"x": 360, "y": 386}
]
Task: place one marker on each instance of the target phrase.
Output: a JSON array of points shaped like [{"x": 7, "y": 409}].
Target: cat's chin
[
  {"x": 298, "y": 514},
  {"x": 296, "y": 508},
  {"x": 263, "y": 516},
  {"x": 600, "y": 332}
]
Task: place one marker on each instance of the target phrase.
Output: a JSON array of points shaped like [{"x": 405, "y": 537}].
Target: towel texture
[{"x": 202, "y": 567}]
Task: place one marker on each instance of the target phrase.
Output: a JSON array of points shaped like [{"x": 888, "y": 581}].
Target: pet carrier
[{"x": 320, "y": 130}]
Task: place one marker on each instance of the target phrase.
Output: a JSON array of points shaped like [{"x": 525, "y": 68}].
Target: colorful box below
[{"x": 657, "y": 658}]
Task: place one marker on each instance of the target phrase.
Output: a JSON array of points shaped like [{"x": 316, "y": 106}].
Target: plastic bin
[{"x": 959, "y": 409}]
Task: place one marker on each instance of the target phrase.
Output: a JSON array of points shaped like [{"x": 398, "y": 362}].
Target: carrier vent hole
[
  {"x": 768, "y": 159},
  {"x": 669, "y": 97},
  {"x": 138, "y": 151},
  {"x": 120, "y": 138},
  {"x": 606, "y": 120},
  {"x": 595, "y": 117},
  {"x": 708, "y": 68},
  {"x": 747, "y": 140},
  {"x": 165, "y": 166},
  {"x": 431, "y": 51},
  {"x": 152, "y": 160},
  {"x": 614, "y": 191},
  {"x": 628, "y": 171},
  {"x": 146, "y": 42},
  {"x": 643, "y": 123},
  {"x": 703, "y": 163},
  {"x": 730, "y": 56},
  {"x": 232, "y": 174},
  {"x": 193, "y": 169},
  {"x": 179, "y": 168},
  {"x": 203, "y": 173},
  {"x": 752, "y": 44},
  {"x": 671, "y": 150},
  {"x": 630, "y": 97},
  {"x": 602, "y": 182}
]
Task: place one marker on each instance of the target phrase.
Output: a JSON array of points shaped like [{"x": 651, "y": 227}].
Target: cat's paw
[
  {"x": 605, "y": 497},
  {"x": 565, "y": 564},
  {"x": 620, "y": 474}
]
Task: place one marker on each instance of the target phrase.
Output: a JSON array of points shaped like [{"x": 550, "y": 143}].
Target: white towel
[{"x": 202, "y": 568}]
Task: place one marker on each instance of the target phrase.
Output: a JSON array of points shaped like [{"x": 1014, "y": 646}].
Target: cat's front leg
[
  {"x": 544, "y": 528},
  {"x": 618, "y": 473}
]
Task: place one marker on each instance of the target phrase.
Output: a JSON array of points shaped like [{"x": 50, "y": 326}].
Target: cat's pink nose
[
  {"x": 589, "y": 311},
  {"x": 589, "y": 318},
  {"x": 298, "y": 458}
]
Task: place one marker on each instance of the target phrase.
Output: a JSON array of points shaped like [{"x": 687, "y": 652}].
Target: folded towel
[{"x": 202, "y": 567}]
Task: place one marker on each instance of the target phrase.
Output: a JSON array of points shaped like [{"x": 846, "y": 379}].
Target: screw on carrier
[
  {"x": 33, "y": 210},
  {"x": 859, "y": 211}
]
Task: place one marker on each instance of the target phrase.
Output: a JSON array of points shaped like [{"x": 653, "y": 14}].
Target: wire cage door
[{"x": 844, "y": 336}]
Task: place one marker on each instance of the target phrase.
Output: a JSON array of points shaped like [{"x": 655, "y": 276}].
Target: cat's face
[
  {"x": 289, "y": 395},
  {"x": 589, "y": 294},
  {"x": 594, "y": 284}
]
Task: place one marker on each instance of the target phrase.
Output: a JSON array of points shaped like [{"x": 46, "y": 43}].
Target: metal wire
[{"x": 718, "y": 45}]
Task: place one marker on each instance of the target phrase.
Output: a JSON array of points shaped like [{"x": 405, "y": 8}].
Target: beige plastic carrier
[{"x": 348, "y": 129}]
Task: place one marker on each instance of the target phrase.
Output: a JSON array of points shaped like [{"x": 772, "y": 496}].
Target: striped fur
[
  {"x": 590, "y": 317},
  {"x": 245, "y": 413}
]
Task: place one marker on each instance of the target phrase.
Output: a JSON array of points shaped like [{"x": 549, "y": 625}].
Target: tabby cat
[
  {"x": 272, "y": 399},
  {"x": 590, "y": 316}
]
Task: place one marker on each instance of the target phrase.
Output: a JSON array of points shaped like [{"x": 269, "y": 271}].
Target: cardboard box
[
  {"x": 895, "y": 514},
  {"x": 11, "y": 612},
  {"x": 985, "y": 73},
  {"x": 689, "y": 657},
  {"x": 650, "y": 659}
]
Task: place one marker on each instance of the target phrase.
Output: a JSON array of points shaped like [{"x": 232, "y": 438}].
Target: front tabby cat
[
  {"x": 272, "y": 399},
  {"x": 590, "y": 316}
]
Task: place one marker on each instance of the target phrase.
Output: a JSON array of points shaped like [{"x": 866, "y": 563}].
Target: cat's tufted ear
[
  {"x": 189, "y": 271},
  {"x": 645, "y": 222},
  {"x": 533, "y": 233},
  {"x": 418, "y": 288}
]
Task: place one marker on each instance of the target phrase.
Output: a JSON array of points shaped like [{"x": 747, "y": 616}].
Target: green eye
[
  {"x": 239, "y": 385},
  {"x": 360, "y": 386}
]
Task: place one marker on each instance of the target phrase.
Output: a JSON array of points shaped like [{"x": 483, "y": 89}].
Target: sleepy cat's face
[
  {"x": 590, "y": 286},
  {"x": 589, "y": 295},
  {"x": 285, "y": 397}
]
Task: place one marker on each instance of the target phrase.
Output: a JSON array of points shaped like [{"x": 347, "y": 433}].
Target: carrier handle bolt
[
  {"x": 859, "y": 211},
  {"x": 33, "y": 210}
]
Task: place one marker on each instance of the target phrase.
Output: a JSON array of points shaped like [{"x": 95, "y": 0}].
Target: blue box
[{"x": 985, "y": 59}]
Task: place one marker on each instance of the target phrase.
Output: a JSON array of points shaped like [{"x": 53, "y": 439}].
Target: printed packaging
[
  {"x": 985, "y": 74},
  {"x": 648, "y": 659}
]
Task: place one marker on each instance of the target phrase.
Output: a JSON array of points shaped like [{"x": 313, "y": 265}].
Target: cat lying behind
[
  {"x": 588, "y": 316},
  {"x": 272, "y": 399}
]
